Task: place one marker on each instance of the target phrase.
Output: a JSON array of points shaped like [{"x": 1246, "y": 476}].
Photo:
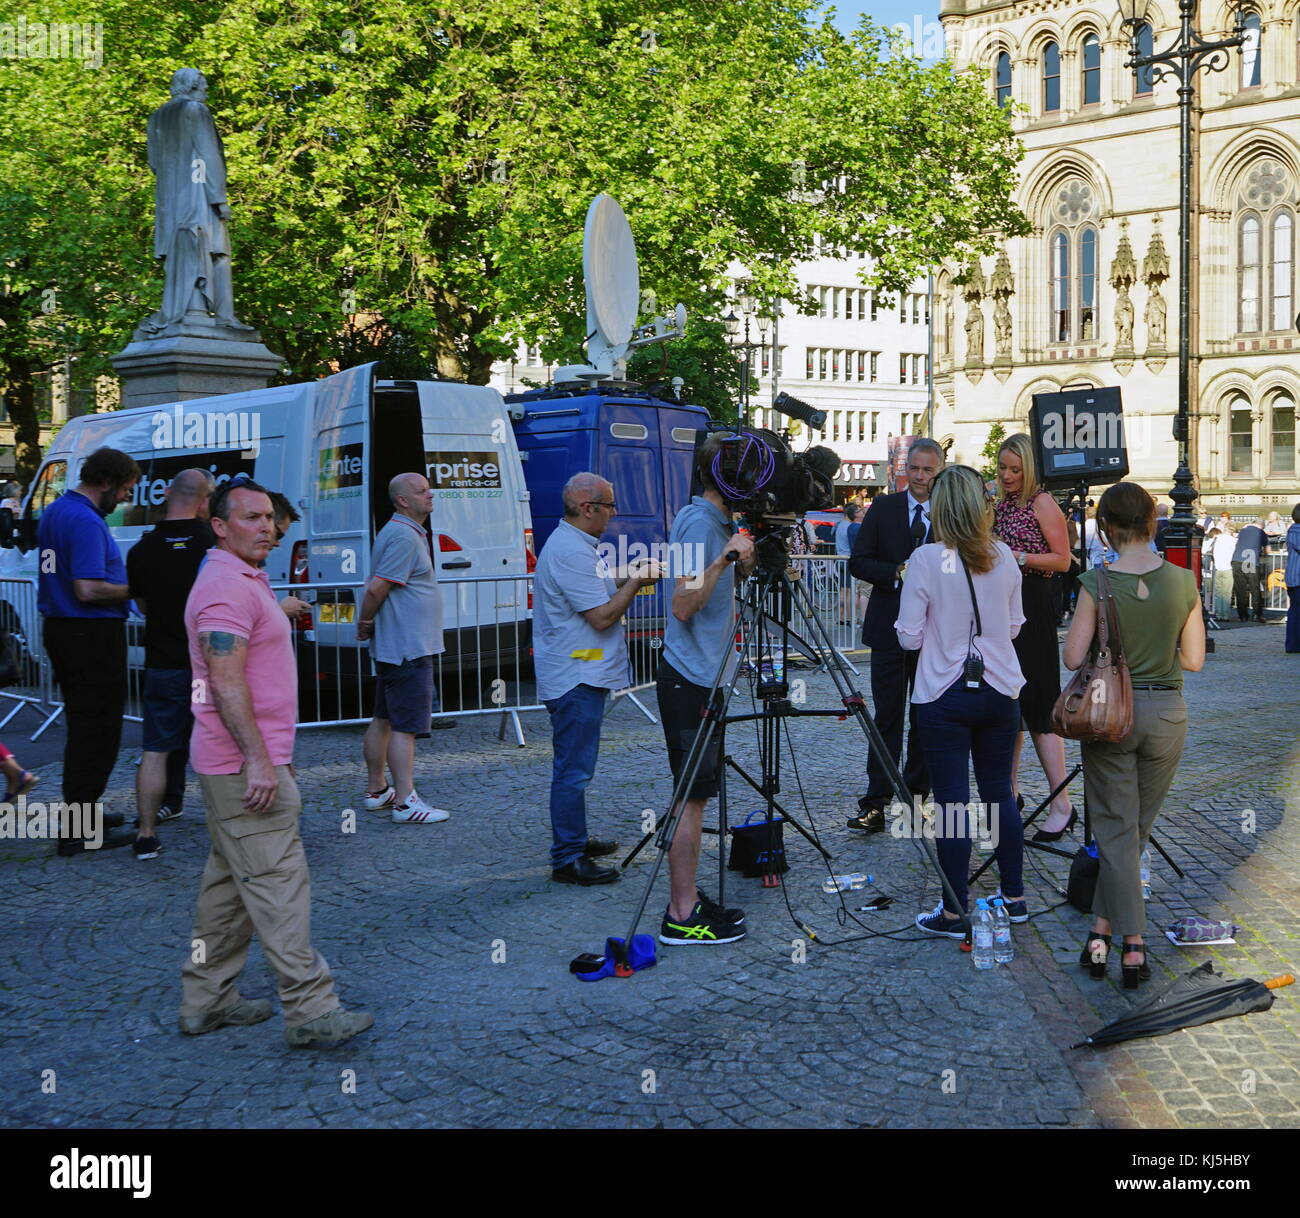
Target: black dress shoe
[
  {"x": 583, "y": 871},
  {"x": 872, "y": 821},
  {"x": 598, "y": 847},
  {"x": 111, "y": 840}
]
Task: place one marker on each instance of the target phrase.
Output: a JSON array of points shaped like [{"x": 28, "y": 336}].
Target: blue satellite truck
[{"x": 642, "y": 444}]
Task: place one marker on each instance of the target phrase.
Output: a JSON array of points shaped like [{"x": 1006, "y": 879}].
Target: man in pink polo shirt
[{"x": 245, "y": 707}]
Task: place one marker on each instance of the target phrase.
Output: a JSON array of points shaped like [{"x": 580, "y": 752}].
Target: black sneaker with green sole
[{"x": 698, "y": 928}]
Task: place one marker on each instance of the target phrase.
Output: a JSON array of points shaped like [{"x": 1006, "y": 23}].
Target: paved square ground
[{"x": 454, "y": 936}]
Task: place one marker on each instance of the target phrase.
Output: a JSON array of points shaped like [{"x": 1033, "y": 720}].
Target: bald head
[
  {"x": 582, "y": 487},
  {"x": 411, "y": 496},
  {"x": 589, "y": 503},
  {"x": 189, "y": 494}
]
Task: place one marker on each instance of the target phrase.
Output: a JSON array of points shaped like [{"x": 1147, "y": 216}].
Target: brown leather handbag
[{"x": 1097, "y": 705}]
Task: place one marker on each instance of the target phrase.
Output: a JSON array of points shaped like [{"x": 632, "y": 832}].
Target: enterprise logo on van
[
  {"x": 340, "y": 468},
  {"x": 460, "y": 471}
]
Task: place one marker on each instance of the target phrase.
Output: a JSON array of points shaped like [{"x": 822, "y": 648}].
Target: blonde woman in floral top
[{"x": 1028, "y": 520}]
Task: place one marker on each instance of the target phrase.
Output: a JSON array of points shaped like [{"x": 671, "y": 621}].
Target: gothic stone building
[{"x": 1090, "y": 296}]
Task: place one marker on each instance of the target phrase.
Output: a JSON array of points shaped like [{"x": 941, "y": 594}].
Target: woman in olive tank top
[{"x": 1125, "y": 782}]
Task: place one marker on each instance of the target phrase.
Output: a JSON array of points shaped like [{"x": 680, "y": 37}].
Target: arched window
[
  {"x": 1051, "y": 77},
  {"x": 1248, "y": 274},
  {"x": 1002, "y": 79},
  {"x": 1283, "y": 262},
  {"x": 1088, "y": 285},
  {"x": 1060, "y": 287},
  {"x": 1282, "y": 426},
  {"x": 1091, "y": 70},
  {"x": 1251, "y": 52},
  {"x": 1144, "y": 78},
  {"x": 1241, "y": 435}
]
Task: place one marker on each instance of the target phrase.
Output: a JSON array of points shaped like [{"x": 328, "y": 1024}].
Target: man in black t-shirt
[{"x": 162, "y": 567}]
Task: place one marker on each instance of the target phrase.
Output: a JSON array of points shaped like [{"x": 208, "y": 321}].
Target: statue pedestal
[{"x": 190, "y": 361}]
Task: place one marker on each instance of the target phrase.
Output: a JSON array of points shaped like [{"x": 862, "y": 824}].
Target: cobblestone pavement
[{"x": 770, "y": 1032}]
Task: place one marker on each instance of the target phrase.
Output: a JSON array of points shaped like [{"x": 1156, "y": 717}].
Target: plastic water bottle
[
  {"x": 846, "y": 883},
  {"x": 1004, "y": 950},
  {"x": 1145, "y": 873},
  {"x": 982, "y": 935}
]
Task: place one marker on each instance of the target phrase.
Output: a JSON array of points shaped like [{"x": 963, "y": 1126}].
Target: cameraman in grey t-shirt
[
  {"x": 698, "y": 633},
  {"x": 402, "y": 614}
]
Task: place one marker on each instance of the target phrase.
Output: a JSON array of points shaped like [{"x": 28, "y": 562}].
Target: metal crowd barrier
[
  {"x": 485, "y": 669},
  {"x": 35, "y": 691},
  {"x": 1216, "y": 587},
  {"x": 839, "y": 600}
]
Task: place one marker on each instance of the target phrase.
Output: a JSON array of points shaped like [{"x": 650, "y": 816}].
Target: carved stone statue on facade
[
  {"x": 1124, "y": 322},
  {"x": 1155, "y": 319},
  {"x": 974, "y": 332},
  {"x": 1002, "y": 287},
  {"x": 1002, "y": 326},
  {"x": 190, "y": 211},
  {"x": 1155, "y": 271},
  {"x": 1123, "y": 275}
]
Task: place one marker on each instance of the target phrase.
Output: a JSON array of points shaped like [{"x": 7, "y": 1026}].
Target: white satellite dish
[{"x": 613, "y": 282}]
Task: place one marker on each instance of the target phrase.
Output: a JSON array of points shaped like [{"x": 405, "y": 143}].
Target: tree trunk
[{"x": 20, "y": 396}]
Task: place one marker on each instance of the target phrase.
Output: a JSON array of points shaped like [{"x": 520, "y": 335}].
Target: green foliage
[
  {"x": 410, "y": 181},
  {"x": 709, "y": 369},
  {"x": 989, "y": 453}
]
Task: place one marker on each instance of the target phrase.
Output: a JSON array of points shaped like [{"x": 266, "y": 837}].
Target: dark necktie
[{"x": 918, "y": 527}]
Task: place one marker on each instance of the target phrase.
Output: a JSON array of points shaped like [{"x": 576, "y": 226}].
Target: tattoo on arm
[{"x": 221, "y": 643}]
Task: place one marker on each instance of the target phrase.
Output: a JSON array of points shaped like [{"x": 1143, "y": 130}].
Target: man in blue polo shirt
[
  {"x": 580, "y": 654},
  {"x": 83, "y": 598}
]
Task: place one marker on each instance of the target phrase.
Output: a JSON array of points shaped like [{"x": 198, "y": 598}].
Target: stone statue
[
  {"x": 190, "y": 210},
  {"x": 1123, "y": 321},
  {"x": 1002, "y": 326},
  {"x": 974, "y": 333},
  {"x": 1155, "y": 319}
]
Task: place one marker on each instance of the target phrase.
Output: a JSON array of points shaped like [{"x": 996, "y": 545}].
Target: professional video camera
[{"x": 760, "y": 475}]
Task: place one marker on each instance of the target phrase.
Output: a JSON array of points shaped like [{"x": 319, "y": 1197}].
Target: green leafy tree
[
  {"x": 409, "y": 181},
  {"x": 989, "y": 453},
  {"x": 709, "y": 368}
]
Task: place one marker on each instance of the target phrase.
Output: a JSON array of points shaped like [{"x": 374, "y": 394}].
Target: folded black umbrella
[{"x": 1201, "y": 996}]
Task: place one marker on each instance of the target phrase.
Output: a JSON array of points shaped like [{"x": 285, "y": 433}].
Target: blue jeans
[
  {"x": 960, "y": 727},
  {"x": 575, "y": 730}
]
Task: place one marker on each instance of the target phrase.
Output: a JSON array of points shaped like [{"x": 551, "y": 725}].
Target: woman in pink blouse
[{"x": 961, "y": 607}]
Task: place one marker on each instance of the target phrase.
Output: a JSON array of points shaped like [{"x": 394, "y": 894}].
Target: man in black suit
[{"x": 894, "y": 526}]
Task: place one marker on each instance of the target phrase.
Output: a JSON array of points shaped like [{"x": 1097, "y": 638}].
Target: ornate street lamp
[
  {"x": 1181, "y": 61},
  {"x": 749, "y": 307}
]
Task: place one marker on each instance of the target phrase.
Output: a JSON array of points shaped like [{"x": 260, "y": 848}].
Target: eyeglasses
[
  {"x": 240, "y": 480},
  {"x": 600, "y": 503}
]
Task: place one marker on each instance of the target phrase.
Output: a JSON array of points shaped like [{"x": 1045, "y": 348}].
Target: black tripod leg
[
  {"x": 1046, "y": 847},
  {"x": 1178, "y": 871},
  {"x": 623, "y": 866}
]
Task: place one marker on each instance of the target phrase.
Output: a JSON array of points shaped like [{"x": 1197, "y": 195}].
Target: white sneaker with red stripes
[{"x": 416, "y": 812}]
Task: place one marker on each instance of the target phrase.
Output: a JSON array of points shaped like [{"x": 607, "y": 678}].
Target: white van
[{"x": 331, "y": 446}]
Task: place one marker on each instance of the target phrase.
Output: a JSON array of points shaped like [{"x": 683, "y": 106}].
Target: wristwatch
[{"x": 1020, "y": 558}]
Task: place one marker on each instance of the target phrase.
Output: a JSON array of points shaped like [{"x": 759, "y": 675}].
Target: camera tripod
[{"x": 769, "y": 600}]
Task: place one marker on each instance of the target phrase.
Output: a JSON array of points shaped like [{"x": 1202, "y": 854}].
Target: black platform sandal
[
  {"x": 1088, "y": 957},
  {"x": 1134, "y": 974}
]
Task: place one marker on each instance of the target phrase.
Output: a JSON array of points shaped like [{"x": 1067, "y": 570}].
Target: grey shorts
[{"x": 404, "y": 694}]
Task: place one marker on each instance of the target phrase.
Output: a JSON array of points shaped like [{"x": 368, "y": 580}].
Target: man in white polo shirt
[{"x": 579, "y": 655}]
